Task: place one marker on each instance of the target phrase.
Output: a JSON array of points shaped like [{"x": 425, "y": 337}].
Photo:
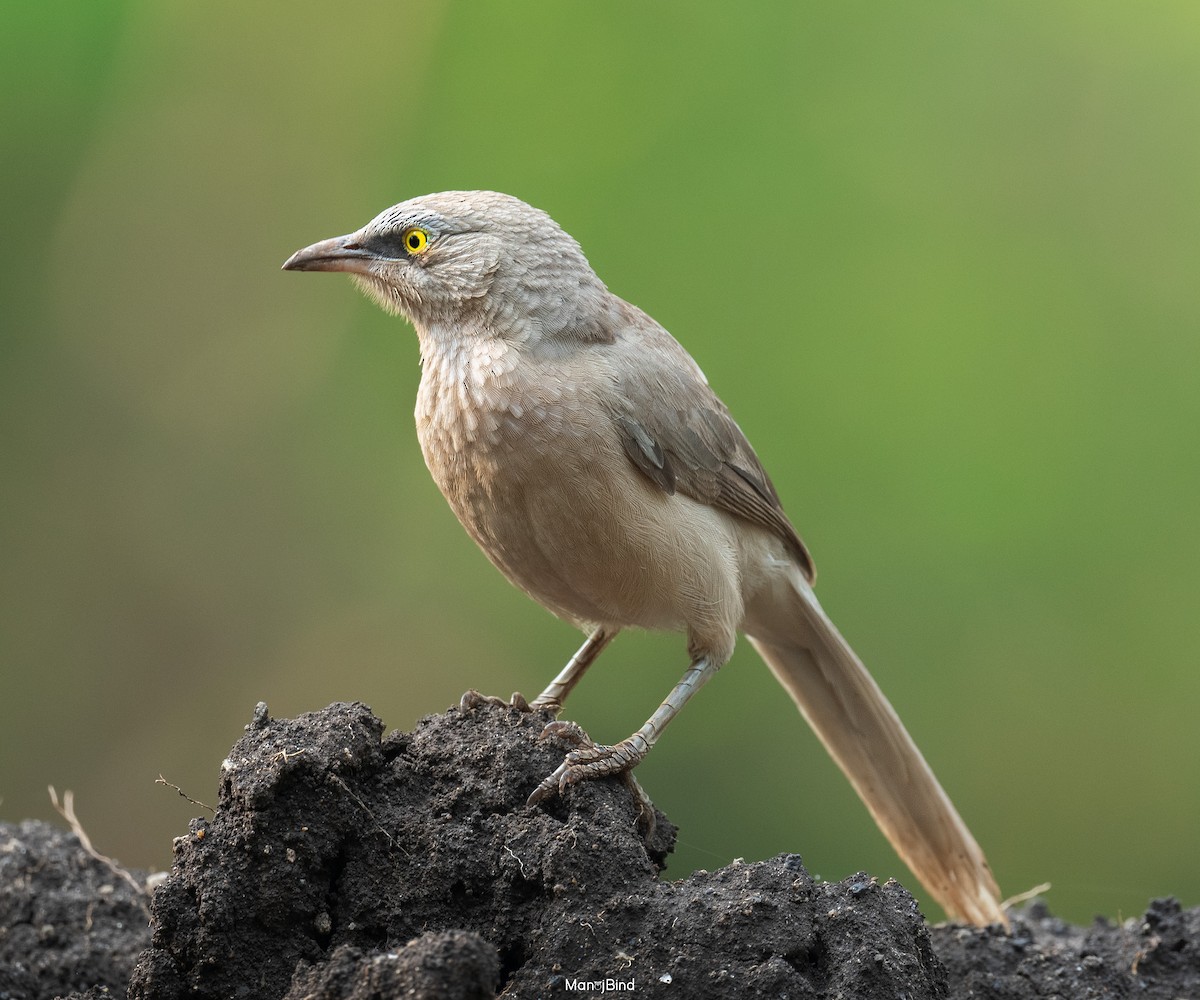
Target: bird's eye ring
[{"x": 416, "y": 240}]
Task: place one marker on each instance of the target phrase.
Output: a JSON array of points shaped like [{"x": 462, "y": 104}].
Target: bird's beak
[{"x": 342, "y": 253}]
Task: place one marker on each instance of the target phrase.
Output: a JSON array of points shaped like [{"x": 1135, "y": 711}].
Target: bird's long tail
[{"x": 862, "y": 732}]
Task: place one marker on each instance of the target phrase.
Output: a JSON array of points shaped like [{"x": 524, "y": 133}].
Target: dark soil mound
[
  {"x": 67, "y": 921},
  {"x": 345, "y": 864}
]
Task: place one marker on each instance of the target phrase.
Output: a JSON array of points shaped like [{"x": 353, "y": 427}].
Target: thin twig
[
  {"x": 520, "y": 863},
  {"x": 365, "y": 808},
  {"x": 1024, "y": 897},
  {"x": 66, "y": 809},
  {"x": 196, "y": 802}
]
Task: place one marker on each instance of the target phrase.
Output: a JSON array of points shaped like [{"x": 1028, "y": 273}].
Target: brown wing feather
[{"x": 677, "y": 431}]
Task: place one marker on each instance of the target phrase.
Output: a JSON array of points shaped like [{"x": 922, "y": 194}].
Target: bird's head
[{"x": 463, "y": 259}]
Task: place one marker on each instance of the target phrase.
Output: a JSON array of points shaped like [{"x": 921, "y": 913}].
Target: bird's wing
[{"x": 680, "y": 435}]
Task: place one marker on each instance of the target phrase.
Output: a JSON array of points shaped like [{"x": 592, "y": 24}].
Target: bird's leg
[
  {"x": 597, "y": 760},
  {"x": 556, "y": 692},
  {"x": 552, "y": 698}
]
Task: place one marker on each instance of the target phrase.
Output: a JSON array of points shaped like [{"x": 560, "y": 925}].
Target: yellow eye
[{"x": 415, "y": 240}]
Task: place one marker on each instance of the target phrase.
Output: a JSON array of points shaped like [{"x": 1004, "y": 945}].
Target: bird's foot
[
  {"x": 551, "y": 706},
  {"x": 597, "y": 760},
  {"x": 570, "y": 732},
  {"x": 589, "y": 760},
  {"x": 473, "y": 699}
]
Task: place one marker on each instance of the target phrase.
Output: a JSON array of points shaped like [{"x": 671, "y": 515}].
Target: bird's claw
[
  {"x": 597, "y": 760},
  {"x": 589, "y": 760},
  {"x": 572, "y": 732},
  {"x": 472, "y": 699}
]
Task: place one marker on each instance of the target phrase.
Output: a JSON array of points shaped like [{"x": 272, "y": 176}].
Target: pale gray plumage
[{"x": 583, "y": 450}]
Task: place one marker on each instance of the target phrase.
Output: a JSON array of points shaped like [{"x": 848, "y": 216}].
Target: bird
[{"x": 582, "y": 448}]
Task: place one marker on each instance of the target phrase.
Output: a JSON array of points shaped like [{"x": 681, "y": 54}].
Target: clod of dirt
[
  {"x": 444, "y": 963},
  {"x": 67, "y": 920},
  {"x": 1157, "y": 956}
]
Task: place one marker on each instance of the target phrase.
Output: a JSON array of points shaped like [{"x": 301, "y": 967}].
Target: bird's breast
[
  {"x": 529, "y": 459},
  {"x": 507, "y": 448},
  {"x": 494, "y": 429},
  {"x": 484, "y": 419}
]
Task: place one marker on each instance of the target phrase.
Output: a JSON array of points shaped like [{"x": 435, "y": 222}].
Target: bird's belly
[{"x": 574, "y": 525}]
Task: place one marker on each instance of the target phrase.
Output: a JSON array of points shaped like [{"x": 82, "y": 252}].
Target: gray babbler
[{"x": 583, "y": 450}]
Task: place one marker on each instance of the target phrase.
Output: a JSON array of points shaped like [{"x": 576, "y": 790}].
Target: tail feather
[{"x": 865, "y": 736}]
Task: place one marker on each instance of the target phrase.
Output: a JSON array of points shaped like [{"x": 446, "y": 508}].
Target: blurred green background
[{"x": 940, "y": 260}]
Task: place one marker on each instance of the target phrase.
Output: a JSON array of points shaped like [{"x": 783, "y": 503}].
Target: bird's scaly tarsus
[
  {"x": 556, "y": 692},
  {"x": 596, "y": 760}
]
